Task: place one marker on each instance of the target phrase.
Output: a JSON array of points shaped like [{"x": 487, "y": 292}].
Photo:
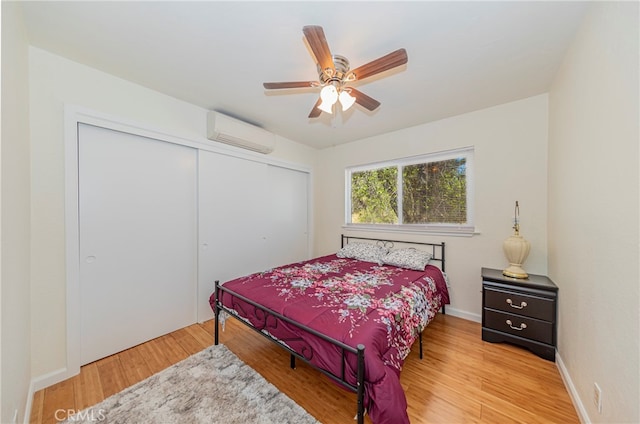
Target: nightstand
[{"x": 520, "y": 311}]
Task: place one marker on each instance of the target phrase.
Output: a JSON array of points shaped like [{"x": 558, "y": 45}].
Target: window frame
[{"x": 466, "y": 229}]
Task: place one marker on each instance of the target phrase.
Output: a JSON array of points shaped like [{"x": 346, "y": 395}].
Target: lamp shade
[
  {"x": 346, "y": 100},
  {"x": 329, "y": 96}
]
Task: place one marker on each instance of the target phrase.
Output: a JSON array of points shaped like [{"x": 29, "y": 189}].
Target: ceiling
[{"x": 463, "y": 56}]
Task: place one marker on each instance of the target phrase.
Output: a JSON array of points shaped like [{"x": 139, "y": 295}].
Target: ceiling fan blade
[
  {"x": 318, "y": 44},
  {"x": 290, "y": 84},
  {"x": 384, "y": 63},
  {"x": 315, "y": 112},
  {"x": 364, "y": 100}
]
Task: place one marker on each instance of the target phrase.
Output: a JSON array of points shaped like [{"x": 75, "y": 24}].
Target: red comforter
[{"x": 355, "y": 302}]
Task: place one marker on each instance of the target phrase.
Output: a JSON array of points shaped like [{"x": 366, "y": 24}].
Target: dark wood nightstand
[{"x": 520, "y": 311}]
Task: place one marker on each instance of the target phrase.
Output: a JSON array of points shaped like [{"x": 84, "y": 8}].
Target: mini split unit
[{"x": 228, "y": 130}]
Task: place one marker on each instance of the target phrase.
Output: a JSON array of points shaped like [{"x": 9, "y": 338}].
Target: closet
[
  {"x": 288, "y": 202},
  {"x": 138, "y": 229},
  {"x": 256, "y": 220},
  {"x": 160, "y": 221}
]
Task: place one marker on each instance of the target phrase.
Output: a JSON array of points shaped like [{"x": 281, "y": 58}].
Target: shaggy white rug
[{"x": 213, "y": 386}]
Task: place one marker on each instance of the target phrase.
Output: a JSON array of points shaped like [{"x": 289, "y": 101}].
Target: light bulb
[{"x": 346, "y": 100}]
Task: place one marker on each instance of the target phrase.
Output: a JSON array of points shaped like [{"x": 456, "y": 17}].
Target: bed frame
[{"x": 271, "y": 319}]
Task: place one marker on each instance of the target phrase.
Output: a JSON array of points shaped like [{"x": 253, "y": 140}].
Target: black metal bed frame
[{"x": 271, "y": 319}]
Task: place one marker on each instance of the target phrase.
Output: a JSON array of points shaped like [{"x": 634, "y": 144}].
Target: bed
[{"x": 353, "y": 315}]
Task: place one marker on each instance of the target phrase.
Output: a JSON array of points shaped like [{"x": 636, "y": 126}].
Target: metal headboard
[{"x": 436, "y": 249}]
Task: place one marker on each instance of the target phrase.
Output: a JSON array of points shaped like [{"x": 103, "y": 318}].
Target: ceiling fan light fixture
[
  {"x": 326, "y": 107},
  {"x": 329, "y": 97},
  {"x": 334, "y": 73},
  {"x": 346, "y": 100}
]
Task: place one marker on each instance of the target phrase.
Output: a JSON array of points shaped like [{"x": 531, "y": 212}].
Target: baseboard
[
  {"x": 43, "y": 382},
  {"x": 50, "y": 379},
  {"x": 462, "y": 314},
  {"x": 573, "y": 393}
]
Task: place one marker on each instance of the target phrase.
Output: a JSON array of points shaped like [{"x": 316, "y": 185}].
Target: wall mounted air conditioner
[{"x": 228, "y": 130}]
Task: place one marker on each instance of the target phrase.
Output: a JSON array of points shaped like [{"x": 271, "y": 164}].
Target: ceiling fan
[{"x": 334, "y": 75}]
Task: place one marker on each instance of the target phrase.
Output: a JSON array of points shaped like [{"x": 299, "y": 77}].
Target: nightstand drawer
[
  {"x": 520, "y": 303},
  {"x": 533, "y": 329}
]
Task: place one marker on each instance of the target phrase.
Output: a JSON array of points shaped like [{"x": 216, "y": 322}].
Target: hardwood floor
[{"x": 461, "y": 379}]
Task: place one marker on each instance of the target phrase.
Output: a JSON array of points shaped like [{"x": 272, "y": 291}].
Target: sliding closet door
[
  {"x": 288, "y": 228},
  {"x": 138, "y": 238},
  {"x": 233, "y": 221}
]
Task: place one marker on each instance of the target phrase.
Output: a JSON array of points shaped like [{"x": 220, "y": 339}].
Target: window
[{"x": 422, "y": 193}]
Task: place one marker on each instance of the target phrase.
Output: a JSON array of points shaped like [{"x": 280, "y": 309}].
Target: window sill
[{"x": 436, "y": 230}]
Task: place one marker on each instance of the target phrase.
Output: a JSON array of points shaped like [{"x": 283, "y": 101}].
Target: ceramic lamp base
[
  {"x": 516, "y": 249},
  {"x": 515, "y": 271}
]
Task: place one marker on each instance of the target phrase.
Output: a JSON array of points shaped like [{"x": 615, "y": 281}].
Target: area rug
[{"x": 212, "y": 386}]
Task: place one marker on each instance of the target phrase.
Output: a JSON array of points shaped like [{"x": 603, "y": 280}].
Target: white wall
[
  {"x": 510, "y": 143},
  {"x": 593, "y": 210},
  {"x": 53, "y": 82},
  {"x": 592, "y": 112},
  {"x": 15, "y": 211}
]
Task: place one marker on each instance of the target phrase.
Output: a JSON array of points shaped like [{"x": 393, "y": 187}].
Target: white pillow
[
  {"x": 363, "y": 252},
  {"x": 410, "y": 258}
]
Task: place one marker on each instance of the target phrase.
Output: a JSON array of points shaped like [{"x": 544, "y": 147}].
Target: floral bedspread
[{"x": 382, "y": 307}]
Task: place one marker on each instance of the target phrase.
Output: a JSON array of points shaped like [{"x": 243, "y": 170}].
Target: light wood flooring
[{"x": 460, "y": 380}]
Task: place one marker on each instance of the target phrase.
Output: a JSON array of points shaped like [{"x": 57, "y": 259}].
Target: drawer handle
[
  {"x": 522, "y": 304},
  {"x": 522, "y": 326}
]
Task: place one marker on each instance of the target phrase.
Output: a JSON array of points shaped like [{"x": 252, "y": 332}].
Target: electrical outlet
[{"x": 597, "y": 397}]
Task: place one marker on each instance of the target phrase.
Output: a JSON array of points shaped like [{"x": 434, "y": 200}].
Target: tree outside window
[{"x": 412, "y": 192}]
